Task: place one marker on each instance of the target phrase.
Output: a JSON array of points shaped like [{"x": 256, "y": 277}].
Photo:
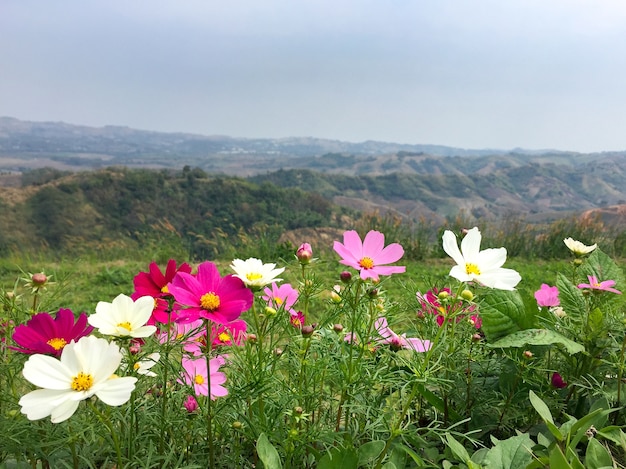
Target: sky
[{"x": 475, "y": 74}]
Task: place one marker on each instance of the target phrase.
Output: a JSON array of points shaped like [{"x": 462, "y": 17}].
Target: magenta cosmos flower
[
  {"x": 196, "y": 375},
  {"x": 370, "y": 256},
  {"x": 595, "y": 284},
  {"x": 47, "y": 335},
  {"x": 547, "y": 296},
  {"x": 397, "y": 342},
  {"x": 431, "y": 303},
  {"x": 208, "y": 295},
  {"x": 154, "y": 283}
]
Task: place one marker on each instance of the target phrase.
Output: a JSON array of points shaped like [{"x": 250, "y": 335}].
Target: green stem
[
  {"x": 620, "y": 374},
  {"x": 209, "y": 402},
  {"x": 107, "y": 423}
]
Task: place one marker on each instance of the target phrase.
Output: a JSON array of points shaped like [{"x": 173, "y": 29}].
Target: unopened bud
[
  {"x": 476, "y": 338},
  {"x": 345, "y": 276},
  {"x": 577, "y": 262},
  {"x": 307, "y": 331},
  {"x": 270, "y": 311},
  {"x": 443, "y": 295},
  {"x": 237, "y": 425},
  {"x": 528, "y": 354},
  {"x": 278, "y": 352},
  {"x": 304, "y": 253},
  {"x": 251, "y": 338},
  {"x": 39, "y": 279},
  {"x": 467, "y": 295},
  {"x": 337, "y": 328},
  {"x": 298, "y": 410},
  {"x": 373, "y": 293}
]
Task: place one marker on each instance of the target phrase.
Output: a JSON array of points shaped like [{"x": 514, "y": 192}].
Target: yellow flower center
[
  {"x": 597, "y": 284},
  {"x": 165, "y": 290},
  {"x": 296, "y": 322},
  {"x": 366, "y": 263},
  {"x": 82, "y": 382},
  {"x": 210, "y": 301},
  {"x": 278, "y": 301},
  {"x": 126, "y": 325},
  {"x": 199, "y": 379},
  {"x": 136, "y": 366},
  {"x": 223, "y": 337},
  {"x": 252, "y": 276},
  {"x": 57, "y": 343},
  {"x": 472, "y": 269}
]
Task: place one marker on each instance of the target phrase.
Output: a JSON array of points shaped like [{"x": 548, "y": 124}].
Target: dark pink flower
[
  {"x": 210, "y": 296},
  {"x": 195, "y": 375},
  {"x": 190, "y": 404},
  {"x": 594, "y": 284},
  {"x": 47, "y": 335},
  {"x": 557, "y": 381},
  {"x": 397, "y": 342},
  {"x": 154, "y": 283},
  {"x": 370, "y": 256},
  {"x": 284, "y": 296},
  {"x": 547, "y": 296},
  {"x": 432, "y": 303},
  {"x": 297, "y": 319}
]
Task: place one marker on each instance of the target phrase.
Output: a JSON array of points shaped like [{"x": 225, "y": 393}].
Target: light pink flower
[
  {"x": 304, "y": 253},
  {"x": 547, "y": 296},
  {"x": 397, "y": 342},
  {"x": 195, "y": 374},
  {"x": 595, "y": 284},
  {"x": 284, "y": 296},
  {"x": 370, "y": 256}
]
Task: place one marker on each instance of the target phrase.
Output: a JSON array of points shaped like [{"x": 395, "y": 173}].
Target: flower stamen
[
  {"x": 210, "y": 301},
  {"x": 57, "y": 343},
  {"x": 82, "y": 382},
  {"x": 471, "y": 269},
  {"x": 366, "y": 263}
]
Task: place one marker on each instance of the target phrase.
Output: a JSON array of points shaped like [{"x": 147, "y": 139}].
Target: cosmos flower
[
  {"x": 444, "y": 308},
  {"x": 397, "y": 342},
  {"x": 195, "y": 375},
  {"x": 208, "y": 295},
  {"x": 254, "y": 273},
  {"x": 297, "y": 319},
  {"x": 595, "y": 284},
  {"x": 578, "y": 248},
  {"x": 284, "y": 296},
  {"x": 547, "y": 296},
  {"x": 86, "y": 368},
  {"x": 557, "y": 381},
  {"x": 304, "y": 253},
  {"x": 143, "y": 365},
  {"x": 369, "y": 256},
  {"x": 47, "y": 335},
  {"x": 124, "y": 317},
  {"x": 484, "y": 267}
]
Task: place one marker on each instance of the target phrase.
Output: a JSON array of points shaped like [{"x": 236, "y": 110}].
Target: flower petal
[
  {"x": 47, "y": 372},
  {"x": 451, "y": 248}
]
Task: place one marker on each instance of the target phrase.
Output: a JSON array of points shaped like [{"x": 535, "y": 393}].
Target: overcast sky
[{"x": 474, "y": 74}]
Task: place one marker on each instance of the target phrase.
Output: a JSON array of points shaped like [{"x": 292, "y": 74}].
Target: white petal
[
  {"x": 502, "y": 279},
  {"x": 40, "y": 403},
  {"x": 470, "y": 245},
  {"x": 490, "y": 259},
  {"x": 47, "y": 372},
  {"x": 451, "y": 248},
  {"x": 458, "y": 272},
  {"x": 117, "y": 391},
  {"x": 63, "y": 411},
  {"x": 142, "y": 311}
]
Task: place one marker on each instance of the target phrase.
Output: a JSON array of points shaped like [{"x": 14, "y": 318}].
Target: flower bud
[
  {"x": 278, "y": 351},
  {"x": 270, "y": 311},
  {"x": 39, "y": 279},
  {"x": 251, "y": 338},
  {"x": 577, "y": 262},
  {"x": 337, "y": 328},
  {"x": 304, "y": 253},
  {"x": 237, "y": 425},
  {"x": 334, "y": 294},
  {"x": 345, "y": 276},
  {"x": 373, "y": 293},
  {"x": 190, "y": 404},
  {"x": 477, "y": 338},
  {"x": 307, "y": 331},
  {"x": 298, "y": 410},
  {"x": 528, "y": 354},
  {"x": 467, "y": 295},
  {"x": 443, "y": 295}
]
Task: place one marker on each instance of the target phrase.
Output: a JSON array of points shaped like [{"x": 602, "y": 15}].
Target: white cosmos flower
[
  {"x": 254, "y": 273},
  {"x": 484, "y": 266},
  {"x": 86, "y": 368},
  {"x": 124, "y": 317},
  {"x": 142, "y": 367},
  {"x": 577, "y": 247}
]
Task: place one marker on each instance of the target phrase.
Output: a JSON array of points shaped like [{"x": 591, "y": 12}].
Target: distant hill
[{"x": 411, "y": 181}]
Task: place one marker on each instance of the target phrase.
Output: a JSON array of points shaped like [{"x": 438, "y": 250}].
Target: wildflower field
[{"x": 343, "y": 356}]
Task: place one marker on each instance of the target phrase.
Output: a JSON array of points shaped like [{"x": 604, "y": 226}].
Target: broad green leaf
[
  {"x": 545, "y": 414},
  {"x": 511, "y": 453},
  {"x": 502, "y": 313},
  {"x": 557, "y": 459},
  {"x": 572, "y": 458},
  {"x": 604, "y": 268},
  {"x": 339, "y": 458},
  {"x": 267, "y": 453},
  {"x": 537, "y": 337},
  {"x": 389, "y": 465},
  {"x": 369, "y": 451},
  {"x": 570, "y": 296},
  {"x": 457, "y": 448},
  {"x": 597, "y": 456},
  {"x": 437, "y": 402}
]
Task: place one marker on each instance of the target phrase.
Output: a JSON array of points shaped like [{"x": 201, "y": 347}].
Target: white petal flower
[
  {"x": 142, "y": 367},
  {"x": 577, "y": 247},
  {"x": 85, "y": 369},
  {"x": 254, "y": 273},
  {"x": 124, "y": 317},
  {"x": 484, "y": 267}
]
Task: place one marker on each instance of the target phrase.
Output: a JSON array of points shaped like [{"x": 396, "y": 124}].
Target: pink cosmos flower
[
  {"x": 154, "y": 283},
  {"x": 47, "y": 335},
  {"x": 304, "y": 253},
  {"x": 431, "y": 303},
  {"x": 370, "y": 255},
  {"x": 284, "y": 296},
  {"x": 189, "y": 334},
  {"x": 210, "y": 296},
  {"x": 190, "y": 404},
  {"x": 547, "y": 296},
  {"x": 397, "y": 342},
  {"x": 595, "y": 284},
  {"x": 297, "y": 319},
  {"x": 195, "y": 374},
  {"x": 557, "y": 381}
]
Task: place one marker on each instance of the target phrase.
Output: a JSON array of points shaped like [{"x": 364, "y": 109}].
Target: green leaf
[
  {"x": 537, "y": 337},
  {"x": 557, "y": 459},
  {"x": 511, "y": 453},
  {"x": 457, "y": 448},
  {"x": 389, "y": 465},
  {"x": 267, "y": 453},
  {"x": 369, "y": 451},
  {"x": 545, "y": 414},
  {"x": 604, "y": 268},
  {"x": 597, "y": 455},
  {"x": 502, "y": 313},
  {"x": 339, "y": 458},
  {"x": 570, "y": 296}
]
